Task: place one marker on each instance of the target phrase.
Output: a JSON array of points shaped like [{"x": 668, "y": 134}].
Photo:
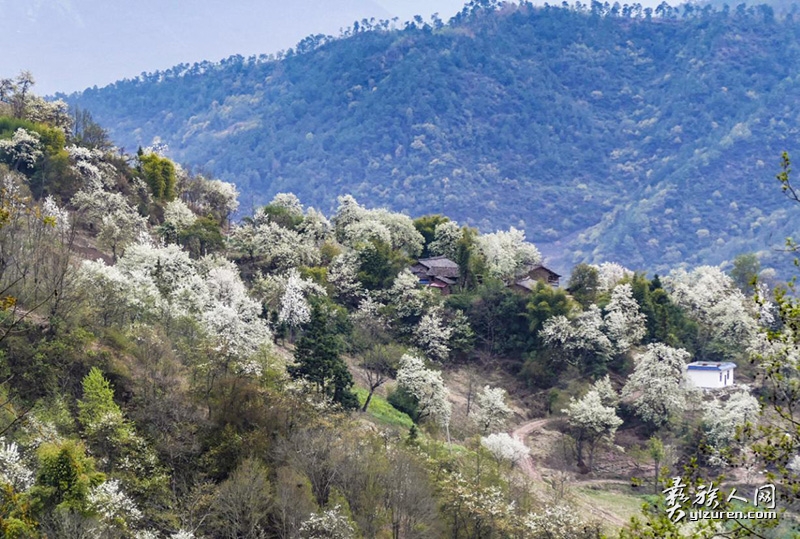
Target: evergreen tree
[{"x": 318, "y": 361}]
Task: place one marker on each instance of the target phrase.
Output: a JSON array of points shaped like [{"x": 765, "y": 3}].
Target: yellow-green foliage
[
  {"x": 159, "y": 173},
  {"x": 15, "y": 518},
  {"x": 382, "y": 411},
  {"x": 66, "y": 474},
  {"x": 97, "y": 408}
]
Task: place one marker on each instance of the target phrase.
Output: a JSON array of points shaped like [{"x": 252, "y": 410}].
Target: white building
[{"x": 711, "y": 374}]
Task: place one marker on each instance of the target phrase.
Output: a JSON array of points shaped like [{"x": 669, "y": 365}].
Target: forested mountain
[
  {"x": 168, "y": 374},
  {"x": 662, "y": 127}
]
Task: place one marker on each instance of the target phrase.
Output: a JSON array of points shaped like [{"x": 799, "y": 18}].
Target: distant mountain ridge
[{"x": 631, "y": 135}]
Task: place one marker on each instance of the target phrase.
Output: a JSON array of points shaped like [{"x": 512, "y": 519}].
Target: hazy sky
[
  {"x": 73, "y": 44},
  {"x": 70, "y": 45}
]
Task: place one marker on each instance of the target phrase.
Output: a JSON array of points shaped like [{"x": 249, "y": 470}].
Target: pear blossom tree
[
  {"x": 728, "y": 320},
  {"x": 493, "y": 412},
  {"x": 112, "y": 505},
  {"x": 315, "y": 227},
  {"x": 658, "y": 387},
  {"x": 507, "y": 253},
  {"x": 289, "y": 202},
  {"x": 427, "y": 386},
  {"x": 505, "y": 448},
  {"x": 609, "y": 274},
  {"x": 272, "y": 246},
  {"x": 117, "y": 222},
  {"x": 624, "y": 322},
  {"x": 328, "y": 524},
  {"x": 178, "y": 216},
  {"x": 431, "y": 335},
  {"x": 446, "y": 236},
  {"x": 723, "y": 420},
  {"x": 295, "y": 310},
  {"x": 608, "y": 396},
  {"x": 593, "y": 337},
  {"x": 13, "y": 470},
  {"x": 343, "y": 276},
  {"x": 590, "y": 422},
  {"x": 23, "y": 149},
  {"x": 407, "y": 298},
  {"x": 583, "y": 339},
  {"x": 354, "y": 225}
]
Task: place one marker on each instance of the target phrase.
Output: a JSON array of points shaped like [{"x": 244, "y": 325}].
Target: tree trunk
[{"x": 366, "y": 402}]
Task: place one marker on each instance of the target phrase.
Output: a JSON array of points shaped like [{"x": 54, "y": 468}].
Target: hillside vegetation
[
  {"x": 660, "y": 125},
  {"x": 165, "y": 373}
]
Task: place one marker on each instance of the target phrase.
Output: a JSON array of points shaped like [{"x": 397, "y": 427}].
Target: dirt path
[
  {"x": 519, "y": 434},
  {"x": 527, "y": 466}
]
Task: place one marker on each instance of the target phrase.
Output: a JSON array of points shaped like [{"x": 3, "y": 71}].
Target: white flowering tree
[
  {"x": 557, "y": 522},
  {"x": 658, "y": 387},
  {"x": 178, "y": 216},
  {"x": 22, "y": 150},
  {"x": 294, "y": 307},
  {"x": 608, "y": 396},
  {"x": 507, "y": 253},
  {"x": 355, "y": 225},
  {"x": 427, "y": 386},
  {"x": 590, "y": 422},
  {"x": 221, "y": 198},
  {"x": 722, "y": 420},
  {"x": 583, "y": 338},
  {"x": 289, "y": 202},
  {"x": 273, "y": 247},
  {"x": 624, "y": 322},
  {"x": 113, "y": 507},
  {"x": 343, "y": 276},
  {"x": 728, "y": 320},
  {"x": 404, "y": 235},
  {"x": 431, "y": 335},
  {"x": 609, "y": 274},
  {"x": 13, "y": 470},
  {"x": 493, "y": 412},
  {"x": 117, "y": 222},
  {"x": 446, "y": 236},
  {"x": 315, "y": 227},
  {"x": 407, "y": 298},
  {"x": 505, "y": 448},
  {"x": 328, "y": 524}
]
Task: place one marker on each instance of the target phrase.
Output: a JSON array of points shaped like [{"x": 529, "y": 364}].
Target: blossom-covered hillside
[{"x": 168, "y": 373}]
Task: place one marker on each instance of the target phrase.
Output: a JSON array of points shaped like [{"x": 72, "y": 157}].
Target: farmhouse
[
  {"x": 438, "y": 272},
  {"x": 536, "y": 275},
  {"x": 711, "y": 374}
]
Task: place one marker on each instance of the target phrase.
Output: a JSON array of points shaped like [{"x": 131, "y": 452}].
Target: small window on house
[{"x": 720, "y": 376}]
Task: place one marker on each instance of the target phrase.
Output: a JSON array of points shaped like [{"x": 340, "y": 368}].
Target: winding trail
[{"x": 524, "y": 430}]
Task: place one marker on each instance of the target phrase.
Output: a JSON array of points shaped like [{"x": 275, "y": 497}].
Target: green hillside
[{"x": 634, "y": 135}]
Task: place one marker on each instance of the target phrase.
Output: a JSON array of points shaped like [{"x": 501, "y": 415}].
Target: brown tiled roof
[{"x": 439, "y": 266}]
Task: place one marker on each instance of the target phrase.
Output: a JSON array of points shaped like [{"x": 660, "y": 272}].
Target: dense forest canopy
[{"x": 661, "y": 125}]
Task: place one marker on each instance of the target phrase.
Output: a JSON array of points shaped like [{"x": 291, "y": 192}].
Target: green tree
[
  {"x": 583, "y": 284},
  {"x": 318, "y": 361},
  {"x": 745, "y": 271},
  {"x": 65, "y": 476},
  {"x": 379, "y": 264},
  {"x": 546, "y": 302},
  {"x": 159, "y": 173},
  {"x": 426, "y": 225},
  {"x": 380, "y": 363}
]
